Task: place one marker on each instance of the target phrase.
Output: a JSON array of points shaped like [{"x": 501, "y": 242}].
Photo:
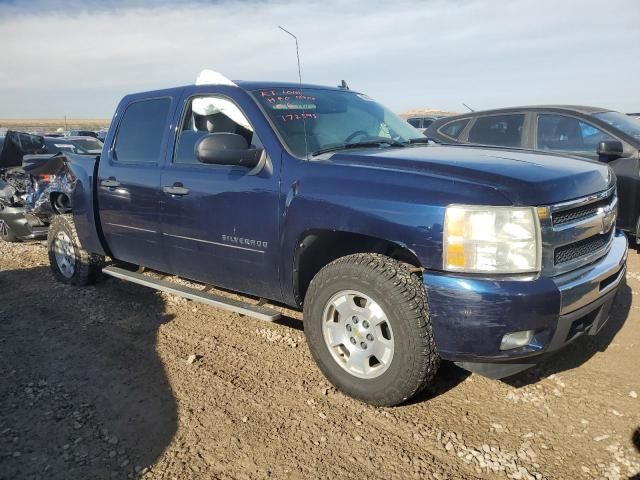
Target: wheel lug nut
[
  {"x": 363, "y": 345},
  {"x": 369, "y": 337},
  {"x": 349, "y": 328},
  {"x": 365, "y": 324},
  {"x": 354, "y": 319},
  {"x": 353, "y": 340}
]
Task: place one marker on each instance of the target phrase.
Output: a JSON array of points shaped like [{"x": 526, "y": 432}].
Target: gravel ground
[{"x": 119, "y": 381}]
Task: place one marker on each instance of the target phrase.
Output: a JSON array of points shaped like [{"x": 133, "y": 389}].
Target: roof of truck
[
  {"x": 260, "y": 85},
  {"x": 244, "y": 85}
]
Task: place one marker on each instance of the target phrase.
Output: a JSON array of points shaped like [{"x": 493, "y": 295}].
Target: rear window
[
  {"x": 140, "y": 132},
  {"x": 453, "y": 129},
  {"x": 500, "y": 130}
]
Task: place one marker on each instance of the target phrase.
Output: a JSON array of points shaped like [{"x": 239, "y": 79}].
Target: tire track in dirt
[{"x": 113, "y": 359}]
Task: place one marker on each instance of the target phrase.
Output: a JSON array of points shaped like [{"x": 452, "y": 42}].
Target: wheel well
[
  {"x": 60, "y": 202},
  {"x": 319, "y": 248}
]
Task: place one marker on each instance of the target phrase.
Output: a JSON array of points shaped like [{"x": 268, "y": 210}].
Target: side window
[
  {"x": 211, "y": 114},
  {"x": 414, "y": 122},
  {"x": 453, "y": 129},
  {"x": 560, "y": 132},
  {"x": 426, "y": 123},
  {"x": 501, "y": 130},
  {"x": 139, "y": 138}
]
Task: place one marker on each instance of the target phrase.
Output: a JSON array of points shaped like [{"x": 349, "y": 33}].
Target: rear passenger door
[
  {"x": 129, "y": 184},
  {"x": 222, "y": 227}
]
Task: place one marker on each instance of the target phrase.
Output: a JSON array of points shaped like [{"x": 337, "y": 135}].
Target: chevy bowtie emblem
[{"x": 608, "y": 218}]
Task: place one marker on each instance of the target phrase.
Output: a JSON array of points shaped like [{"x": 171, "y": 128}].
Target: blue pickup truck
[{"x": 399, "y": 252}]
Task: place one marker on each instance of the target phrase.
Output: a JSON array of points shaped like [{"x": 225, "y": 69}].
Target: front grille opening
[
  {"x": 581, "y": 248},
  {"x": 609, "y": 280},
  {"x": 578, "y": 213},
  {"x": 583, "y": 324}
]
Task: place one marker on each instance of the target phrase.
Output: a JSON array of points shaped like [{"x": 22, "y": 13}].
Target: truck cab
[{"x": 400, "y": 253}]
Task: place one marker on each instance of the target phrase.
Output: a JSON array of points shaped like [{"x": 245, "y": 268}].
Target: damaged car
[
  {"x": 32, "y": 186},
  {"x": 82, "y": 145}
]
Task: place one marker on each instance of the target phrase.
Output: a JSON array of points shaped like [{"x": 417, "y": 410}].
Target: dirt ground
[{"x": 95, "y": 383}]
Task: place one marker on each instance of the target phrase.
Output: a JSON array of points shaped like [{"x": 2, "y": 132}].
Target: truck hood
[{"x": 524, "y": 177}]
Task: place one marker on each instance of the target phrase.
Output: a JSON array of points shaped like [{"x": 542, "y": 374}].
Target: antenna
[
  {"x": 470, "y": 109},
  {"x": 304, "y": 122},
  {"x": 297, "y": 50}
]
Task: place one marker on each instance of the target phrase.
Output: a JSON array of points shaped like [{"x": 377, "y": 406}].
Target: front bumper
[{"x": 471, "y": 314}]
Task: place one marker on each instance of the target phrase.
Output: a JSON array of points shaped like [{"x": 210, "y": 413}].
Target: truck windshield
[
  {"x": 314, "y": 120},
  {"x": 627, "y": 124}
]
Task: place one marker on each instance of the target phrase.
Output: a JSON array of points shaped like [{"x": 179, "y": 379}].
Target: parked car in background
[
  {"x": 423, "y": 122},
  {"x": 26, "y": 203},
  {"x": 16, "y": 188},
  {"x": 101, "y": 134},
  {"x": 591, "y": 133},
  {"x": 80, "y": 145},
  {"x": 82, "y": 133}
]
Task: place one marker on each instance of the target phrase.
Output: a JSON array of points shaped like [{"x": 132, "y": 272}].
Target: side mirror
[
  {"x": 610, "y": 150},
  {"x": 227, "y": 149}
]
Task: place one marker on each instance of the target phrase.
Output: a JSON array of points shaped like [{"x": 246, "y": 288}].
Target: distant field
[{"x": 52, "y": 124}]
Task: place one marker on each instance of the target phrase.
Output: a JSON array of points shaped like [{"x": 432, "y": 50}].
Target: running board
[{"x": 237, "y": 306}]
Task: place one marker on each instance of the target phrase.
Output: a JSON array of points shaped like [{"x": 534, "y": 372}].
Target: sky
[{"x": 79, "y": 58}]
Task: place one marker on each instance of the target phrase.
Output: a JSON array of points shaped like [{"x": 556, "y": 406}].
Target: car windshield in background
[
  {"x": 56, "y": 145},
  {"x": 88, "y": 144},
  {"x": 81, "y": 146},
  {"x": 332, "y": 119},
  {"x": 624, "y": 123}
]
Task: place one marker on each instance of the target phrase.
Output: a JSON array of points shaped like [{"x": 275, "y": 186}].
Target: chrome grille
[
  {"x": 577, "y": 232},
  {"x": 578, "y": 213},
  {"x": 581, "y": 248}
]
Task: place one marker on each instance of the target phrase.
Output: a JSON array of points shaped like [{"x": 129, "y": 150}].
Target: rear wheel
[
  {"x": 367, "y": 324},
  {"x": 6, "y": 234},
  {"x": 69, "y": 262}
]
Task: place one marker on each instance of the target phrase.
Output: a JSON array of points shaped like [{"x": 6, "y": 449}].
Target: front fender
[{"x": 398, "y": 207}]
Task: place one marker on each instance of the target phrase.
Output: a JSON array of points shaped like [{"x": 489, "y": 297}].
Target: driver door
[{"x": 219, "y": 222}]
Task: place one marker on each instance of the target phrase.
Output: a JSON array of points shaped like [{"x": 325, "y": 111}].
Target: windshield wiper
[{"x": 374, "y": 142}]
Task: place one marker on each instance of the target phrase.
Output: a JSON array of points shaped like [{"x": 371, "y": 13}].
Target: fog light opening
[{"x": 516, "y": 339}]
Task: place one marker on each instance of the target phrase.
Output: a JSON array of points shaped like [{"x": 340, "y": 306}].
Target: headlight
[{"x": 479, "y": 239}]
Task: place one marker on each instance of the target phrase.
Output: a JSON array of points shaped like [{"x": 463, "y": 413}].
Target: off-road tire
[
  {"x": 88, "y": 266},
  {"x": 7, "y": 235},
  {"x": 401, "y": 294}
]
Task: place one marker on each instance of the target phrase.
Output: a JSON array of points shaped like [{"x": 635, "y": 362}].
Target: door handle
[
  {"x": 176, "y": 189},
  {"x": 111, "y": 182}
]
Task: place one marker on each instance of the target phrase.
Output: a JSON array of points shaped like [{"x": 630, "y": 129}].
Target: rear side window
[
  {"x": 454, "y": 129},
  {"x": 501, "y": 130},
  {"x": 414, "y": 122},
  {"x": 140, "y": 131}
]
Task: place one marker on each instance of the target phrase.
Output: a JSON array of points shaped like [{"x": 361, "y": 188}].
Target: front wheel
[
  {"x": 367, "y": 324},
  {"x": 69, "y": 262}
]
